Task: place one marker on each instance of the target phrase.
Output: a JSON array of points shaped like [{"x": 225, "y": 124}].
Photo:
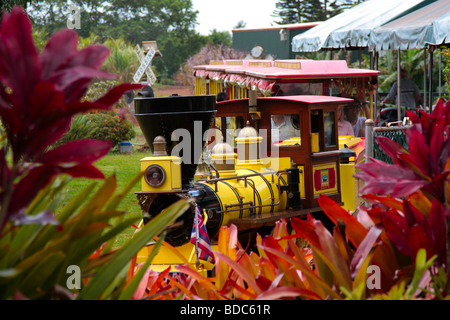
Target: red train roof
[
  {"x": 308, "y": 99},
  {"x": 311, "y": 99},
  {"x": 281, "y": 69}
]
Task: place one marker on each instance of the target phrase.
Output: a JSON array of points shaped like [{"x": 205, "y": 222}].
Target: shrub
[
  {"x": 39, "y": 96},
  {"x": 80, "y": 128},
  {"x": 110, "y": 126}
]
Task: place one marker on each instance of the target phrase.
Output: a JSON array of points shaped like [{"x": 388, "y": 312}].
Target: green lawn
[{"x": 125, "y": 166}]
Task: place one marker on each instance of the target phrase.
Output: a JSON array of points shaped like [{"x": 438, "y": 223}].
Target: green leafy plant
[
  {"x": 110, "y": 126},
  {"x": 39, "y": 95},
  {"x": 36, "y": 257},
  {"x": 80, "y": 128}
]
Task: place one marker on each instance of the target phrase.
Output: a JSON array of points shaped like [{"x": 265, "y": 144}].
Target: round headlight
[{"x": 155, "y": 175}]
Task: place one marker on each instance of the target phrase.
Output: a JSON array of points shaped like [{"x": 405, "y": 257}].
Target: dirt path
[{"x": 164, "y": 91}]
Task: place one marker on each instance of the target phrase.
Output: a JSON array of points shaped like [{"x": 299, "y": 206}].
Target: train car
[
  {"x": 284, "y": 77},
  {"x": 238, "y": 165}
]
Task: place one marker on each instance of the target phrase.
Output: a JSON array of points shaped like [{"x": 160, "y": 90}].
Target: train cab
[{"x": 301, "y": 128}]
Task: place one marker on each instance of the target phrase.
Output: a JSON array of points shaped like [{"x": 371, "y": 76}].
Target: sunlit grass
[{"x": 125, "y": 166}]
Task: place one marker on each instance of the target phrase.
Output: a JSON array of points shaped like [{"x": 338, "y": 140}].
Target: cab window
[
  {"x": 229, "y": 127},
  {"x": 323, "y": 132},
  {"x": 329, "y": 129},
  {"x": 285, "y": 129}
]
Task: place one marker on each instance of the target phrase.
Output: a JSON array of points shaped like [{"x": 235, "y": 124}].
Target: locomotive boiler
[{"x": 224, "y": 159}]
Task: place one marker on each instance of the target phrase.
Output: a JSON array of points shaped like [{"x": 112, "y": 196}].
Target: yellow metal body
[
  {"x": 240, "y": 196},
  {"x": 349, "y": 184},
  {"x": 172, "y": 168},
  {"x": 201, "y": 86},
  {"x": 243, "y": 197},
  {"x": 349, "y": 192},
  {"x": 171, "y": 256}
]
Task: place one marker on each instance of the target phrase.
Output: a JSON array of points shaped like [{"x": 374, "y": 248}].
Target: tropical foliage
[
  {"x": 204, "y": 56},
  {"x": 170, "y": 23},
  {"x": 395, "y": 248},
  {"x": 40, "y": 94},
  {"x": 7, "y": 5},
  {"x": 111, "y": 126},
  {"x": 298, "y": 11},
  {"x": 80, "y": 128},
  {"x": 413, "y": 62}
]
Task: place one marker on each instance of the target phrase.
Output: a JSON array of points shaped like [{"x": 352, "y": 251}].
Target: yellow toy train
[{"x": 248, "y": 162}]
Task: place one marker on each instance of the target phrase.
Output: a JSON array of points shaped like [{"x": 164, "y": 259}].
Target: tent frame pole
[
  {"x": 399, "y": 111},
  {"x": 425, "y": 78}
]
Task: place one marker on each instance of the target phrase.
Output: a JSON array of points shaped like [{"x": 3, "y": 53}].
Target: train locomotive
[{"x": 236, "y": 168}]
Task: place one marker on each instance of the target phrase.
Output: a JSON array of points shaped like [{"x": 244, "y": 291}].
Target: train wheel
[{"x": 180, "y": 235}]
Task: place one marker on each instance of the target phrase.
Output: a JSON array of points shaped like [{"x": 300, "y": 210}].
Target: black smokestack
[{"x": 184, "y": 118}]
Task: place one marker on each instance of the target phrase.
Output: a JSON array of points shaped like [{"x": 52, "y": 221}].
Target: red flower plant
[
  {"x": 39, "y": 94},
  {"x": 426, "y": 166},
  {"x": 409, "y": 196}
]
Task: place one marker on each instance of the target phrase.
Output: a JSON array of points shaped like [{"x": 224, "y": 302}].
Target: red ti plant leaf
[
  {"x": 20, "y": 69},
  {"x": 39, "y": 94},
  {"x": 290, "y": 276},
  {"x": 390, "y": 147},
  {"x": 29, "y": 186},
  {"x": 73, "y": 152},
  {"x": 332, "y": 257},
  {"x": 424, "y": 167},
  {"x": 418, "y": 239},
  {"x": 397, "y": 229},
  {"x": 412, "y": 230},
  {"x": 355, "y": 231},
  {"x": 69, "y": 69},
  {"x": 253, "y": 288},
  {"x": 364, "y": 249},
  {"x": 59, "y": 48},
  {"x": 420, "y": 153},
  {"x": 83, "y": 170},
  {"x": 45, "y": 91},
  {"x": 287, "y": 292},
  {"x": 306, "y": 231},
  {"x": 414, "y": 216},
  {"x": 382, "y": 178},
  {"x": 436, "y": 220}
]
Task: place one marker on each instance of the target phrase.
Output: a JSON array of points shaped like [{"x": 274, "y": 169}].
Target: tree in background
[
  {"x": 9, "y": 4},
  {"x": 184, "y": 76},
  {"x": 240, "y": 25},
  {"x": 299, "y": 11},
  {"x": 171, "y": 23},
  {"x": 220, "y": 37}
]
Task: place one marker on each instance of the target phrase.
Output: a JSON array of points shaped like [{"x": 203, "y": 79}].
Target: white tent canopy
[
  {"x": 429, "y": 25},
  {"x": 352, "y": 27}
]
